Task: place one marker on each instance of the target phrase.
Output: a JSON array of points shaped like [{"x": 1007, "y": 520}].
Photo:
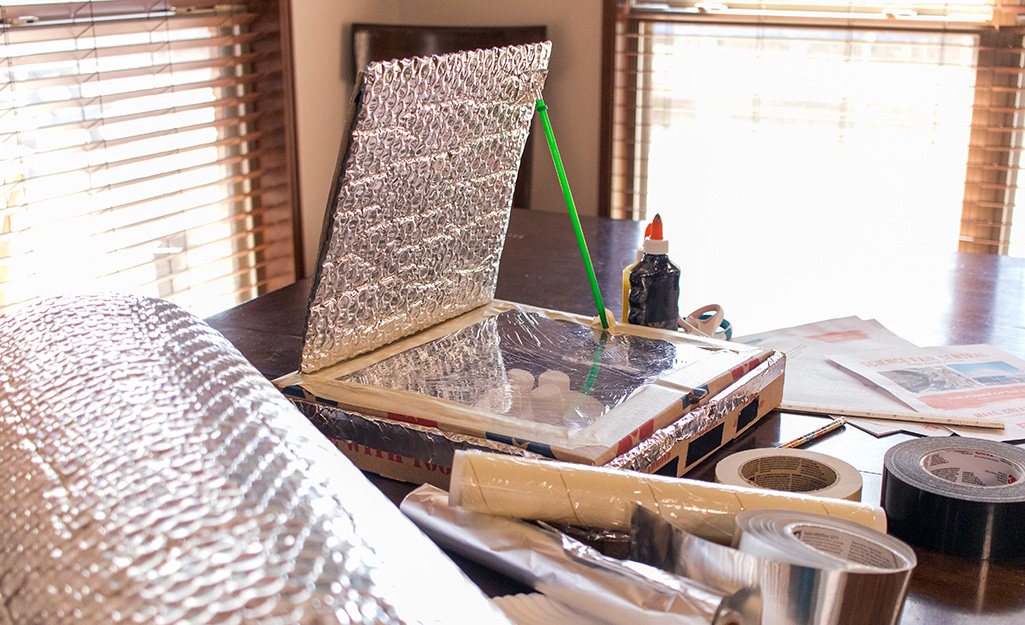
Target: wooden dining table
[{"x": 949, "y": 298}]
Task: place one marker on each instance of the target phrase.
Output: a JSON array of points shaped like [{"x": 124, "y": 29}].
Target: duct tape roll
[
  {"x": 791, "y": 470},
  {"x": 956, "y": 495},
  {"x": 800, "y": 568}
]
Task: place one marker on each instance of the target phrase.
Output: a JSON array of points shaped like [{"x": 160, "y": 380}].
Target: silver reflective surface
[
  {"x": 527, "y": 366},
  {"x": 616, "y": 591},
  {"x": 800, "y": 568},
  {"x": 421, "y": 203},
  {"x": 150, "y": 474}
]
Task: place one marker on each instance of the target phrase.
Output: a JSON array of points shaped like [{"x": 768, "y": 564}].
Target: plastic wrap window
[{"x": 527, "y": 366}]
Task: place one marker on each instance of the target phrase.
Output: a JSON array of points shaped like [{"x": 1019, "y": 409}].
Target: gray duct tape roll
[{"x": 957, "y": 495}]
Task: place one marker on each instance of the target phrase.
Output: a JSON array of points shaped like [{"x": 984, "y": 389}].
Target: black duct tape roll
[{"x": 956, "y": 495}]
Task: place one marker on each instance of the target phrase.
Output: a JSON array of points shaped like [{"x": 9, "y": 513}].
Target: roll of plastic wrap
[
  {"x": 791, "y": 470},
  {"x": 959, "y": 496},
  {"x": 597, "y": 497},
  {"x": 802, "y": 568}
]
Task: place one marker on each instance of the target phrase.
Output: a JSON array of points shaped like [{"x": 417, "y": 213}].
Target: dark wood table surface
[{"x": 947, "y": 299}]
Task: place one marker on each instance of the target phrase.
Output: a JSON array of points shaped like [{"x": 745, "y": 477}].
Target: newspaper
[
  {"x": 813, "y": 380},
  {"x": 977, "y": 380}
]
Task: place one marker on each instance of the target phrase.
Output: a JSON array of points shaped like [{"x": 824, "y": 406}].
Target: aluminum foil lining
[
  {"x": 650, "y": 450},
  {"x": 587, "y": 582},
  {"x": 530, "y": 367},
  {"x": 420, "y": 205},
  {"x": 151, "y": 474},
  {"x": 800, "y": 568}
]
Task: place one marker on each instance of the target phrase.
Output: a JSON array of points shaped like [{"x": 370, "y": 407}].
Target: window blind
[
  {"x": 145, "y": 148},
  {"x": 908, "y": 114}
]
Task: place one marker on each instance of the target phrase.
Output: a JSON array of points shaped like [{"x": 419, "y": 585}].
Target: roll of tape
[
  {"x": 803, "y": 568},
  {"x": 959, "y": 496},
  {"x": 563, "y": 492},
  {"x": 791, "y": 470}
]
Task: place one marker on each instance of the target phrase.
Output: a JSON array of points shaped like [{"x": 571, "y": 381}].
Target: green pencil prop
[{"x": 542, "y": 110}]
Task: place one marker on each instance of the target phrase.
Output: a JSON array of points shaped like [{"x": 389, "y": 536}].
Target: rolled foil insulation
[
  {"x": 578, "y": 577},
  {"x": 420, "y": 203},
  {"x": 799, "y": 568},
  {"x": 576, "y": 494},
  {"x": 150, "y": 474}
]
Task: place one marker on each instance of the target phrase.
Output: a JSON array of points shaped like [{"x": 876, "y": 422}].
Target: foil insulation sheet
[
  {"x": 421, "y": 198},
  {"x": 151, "y": 475}
]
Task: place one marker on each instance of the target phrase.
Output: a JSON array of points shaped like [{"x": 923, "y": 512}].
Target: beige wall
[{"x": 324, "y": 84}]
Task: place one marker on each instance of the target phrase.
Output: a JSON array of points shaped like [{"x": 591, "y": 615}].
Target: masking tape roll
[
  {"x": 957, "y": 495},
  {"x": 791, "y": 470},
  {"x": 576, "y": 494}
]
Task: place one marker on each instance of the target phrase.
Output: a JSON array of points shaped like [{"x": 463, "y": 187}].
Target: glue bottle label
[{"x": 654, "y": 295}]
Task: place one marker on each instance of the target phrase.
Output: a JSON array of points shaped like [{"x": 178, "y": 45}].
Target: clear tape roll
[
  {"x": 957, "y": 495},
  {"x": 588, "y": 496},
  {"x": 799, "y": 568},
  {"x": 791, "y": 470}
]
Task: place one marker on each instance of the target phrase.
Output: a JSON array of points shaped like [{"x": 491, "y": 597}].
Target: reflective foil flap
[
  {"x": 150, "y": 474},
  {"x": 421, "y": 196}
]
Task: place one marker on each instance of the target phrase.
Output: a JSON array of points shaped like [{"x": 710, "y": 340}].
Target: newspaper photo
[
  {"x": 977, "y": 380},
  {"x": 812, "y": 379}
]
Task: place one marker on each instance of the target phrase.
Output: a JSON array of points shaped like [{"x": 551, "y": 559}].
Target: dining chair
[{"x": 383, "y": 42}]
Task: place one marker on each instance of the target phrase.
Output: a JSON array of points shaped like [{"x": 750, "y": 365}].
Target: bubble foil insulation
[
  {"x": 421, "y": 197},
  {"x": 150, "y": 474}
]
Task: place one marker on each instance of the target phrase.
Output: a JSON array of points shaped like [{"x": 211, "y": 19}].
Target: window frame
[
  {"x": 997, "y": 124},
  {"x": 272, "y": 224}
]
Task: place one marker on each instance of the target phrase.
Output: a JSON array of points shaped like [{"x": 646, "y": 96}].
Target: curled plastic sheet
[
  {"x": 800, "y": 568},
  {"x": 421, "y": 199},
  {"x": 611, "y": 591},
  {"x": 152, "y": 475},
  {"x": 563, "y": 492}
]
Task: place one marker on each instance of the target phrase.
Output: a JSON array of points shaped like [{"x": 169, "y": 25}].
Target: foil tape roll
[
  {"x": 563, "y": 492},
  {"x": 799, "y": 568},
  {"x": 791, "y": 470},
  {"x": 956, "y": 495}
]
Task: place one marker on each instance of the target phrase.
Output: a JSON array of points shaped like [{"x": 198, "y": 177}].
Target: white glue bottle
[{"x": 653, "y": 298}]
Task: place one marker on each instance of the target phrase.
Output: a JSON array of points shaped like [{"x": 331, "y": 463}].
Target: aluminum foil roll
[
  {"x": 151, "y": 474},
  {"x": 588, "y": 583},
  {"x": 800, "y": 568},
  {"x": 421, "y": 198}
]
